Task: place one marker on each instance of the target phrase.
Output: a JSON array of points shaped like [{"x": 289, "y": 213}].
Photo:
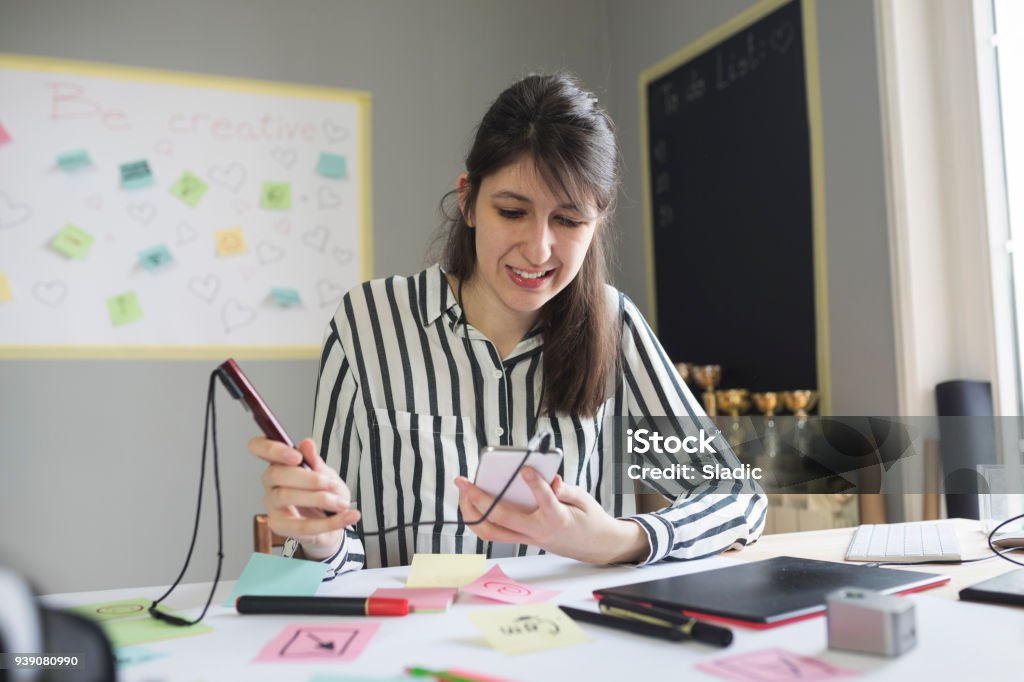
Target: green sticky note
[
  {"x": 189, "y": 188},
  {"x": 276, "y": 196},
  {"x": 266, "y": 574},
  {"x": 136, "y": 174},
  {"x": 73, "y": 241},
  {"x": 74, "y": 161},
  {"x": 124, "y": 308},
  {"x": 127, "y": 622},
  {"x": 154, "y": 258},
  {"x": 331, "y": 165},
  {"x": 286, "y": 298}
]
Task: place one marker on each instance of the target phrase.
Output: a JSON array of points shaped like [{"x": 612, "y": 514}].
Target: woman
[{"x": 515, "y": 333}]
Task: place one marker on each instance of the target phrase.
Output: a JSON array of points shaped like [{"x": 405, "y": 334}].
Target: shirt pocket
[{"x": 417, "y": 459}]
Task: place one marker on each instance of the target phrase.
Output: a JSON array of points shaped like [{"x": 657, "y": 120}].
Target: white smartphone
[{"x": 496, "y": 467}]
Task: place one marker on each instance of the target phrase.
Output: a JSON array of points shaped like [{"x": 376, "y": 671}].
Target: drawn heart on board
[
  {"x": 316, "y": 238},
  {"x": 186, "y": 233},
  {"x": 329, "y": 292},
  {"x": 283, "y": 225},
  {"x": 231, "y": 177},
  {"x": 142, "y": 212},
  {"x": 782, "y": 37},
  {"x": 235, "y": 315},
  {"x": 328, "y": 198},
  {"x": 343, "y": 256},
  {"x": 335, "y": 132},
  {"x": 285, "y": 157},
  {"x": 164, "y": 146},
  {"x": 50, "y": 293},
  {"x": 12, "y": 214},
  {"x": 205, "y": 288},
  {"x": 268, "y": 253}
]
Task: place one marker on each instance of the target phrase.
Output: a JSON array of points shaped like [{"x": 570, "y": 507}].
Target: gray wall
[{"x": 99, "y": 459}]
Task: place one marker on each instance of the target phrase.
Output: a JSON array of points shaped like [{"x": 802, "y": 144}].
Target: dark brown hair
[{"x": 571, "y": 140}]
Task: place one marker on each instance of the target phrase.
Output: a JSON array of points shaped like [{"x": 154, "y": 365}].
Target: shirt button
[
  {"x": 498, "y": 374},
  {"x": 499, "y": 431}
]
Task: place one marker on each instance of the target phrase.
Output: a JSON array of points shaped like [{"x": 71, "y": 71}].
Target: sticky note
[
  {"x": 154, "y": 258},
  {"x": 189, "y": 188},
  {"x": 230, "y": 242},
  {"x": 127, "y": 622},
  {"x": 5, "y": 289},
  {"x": 276, "y": 196},
  {"x": 421, "y": 599},
  {"x": 318, "y": 642},
  {"x": 266, "y": 574},
  {"x": 74, "y": 161},
  {"x": 72, "y": 241},
  {"x": 124, "y": 308},
  {"x": 331, "y": 165},
  {"x": 774, "y": 665},
  {"x": 521, "y": 629},
  {"x": 445, "y": 570},
  {"x": 286, "y": 298},
  {"x": 497, "y": 586},
  {"x": 5, "y": 136},
  {"x": 135, "y": 655},
  {"x": 136, "y": 174}
]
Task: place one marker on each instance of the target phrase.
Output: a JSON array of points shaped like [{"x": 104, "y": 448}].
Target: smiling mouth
[
  {"x": 530, "y": 275},
  {"x": 525, "y": 279}
]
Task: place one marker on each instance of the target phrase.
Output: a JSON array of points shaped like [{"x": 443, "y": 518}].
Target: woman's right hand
[{"x": 296, "y": 497}]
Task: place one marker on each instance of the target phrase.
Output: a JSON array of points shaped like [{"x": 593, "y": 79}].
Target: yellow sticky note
[
  {"x": 445, "y": 570},
  {"x": 5, "y": 288},
  {"x": 534, "y": 627},
  {"x": 230, "y": 242}
]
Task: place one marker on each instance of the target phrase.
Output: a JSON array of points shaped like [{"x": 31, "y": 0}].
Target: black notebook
[
  {"x": 1007, "y": 588},
  {"x": 770, "y": 592}
]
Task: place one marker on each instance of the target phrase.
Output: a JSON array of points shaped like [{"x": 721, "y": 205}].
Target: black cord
[
  {"x": 210, "y": 424},
  {"x": 1002, "y": 554},
  {"x": 995, "y": 552}
]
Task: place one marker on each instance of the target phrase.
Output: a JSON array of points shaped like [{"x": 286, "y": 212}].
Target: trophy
[
  {"x": 708, "y": 377},
  {"x": 684, "y": 371},
  {"x": 734, "y": 401},
  {"x": 799, "y": 403},
  {"x": 768, "y": 403}
]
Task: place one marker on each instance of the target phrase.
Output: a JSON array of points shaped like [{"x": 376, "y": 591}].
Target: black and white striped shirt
[{"x": 408, "y": 395}]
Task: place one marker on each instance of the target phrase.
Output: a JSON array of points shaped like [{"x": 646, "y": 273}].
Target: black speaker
[{"x": 967, "y": 438}]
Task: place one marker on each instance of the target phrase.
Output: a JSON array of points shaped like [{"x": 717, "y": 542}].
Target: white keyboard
[{"x": 905, "y": 542}]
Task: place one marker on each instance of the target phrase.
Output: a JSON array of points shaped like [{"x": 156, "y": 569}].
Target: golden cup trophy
[
  {"x": 684, "y": 371},
  {"x": 708, "y": 377},
  {"x": 734, "y": 402},
  {"x": 800, "y": 403},
  {"x": 768, "y": 403}
]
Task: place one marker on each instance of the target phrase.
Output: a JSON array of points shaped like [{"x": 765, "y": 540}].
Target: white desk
[{"x": 957, "y": 641}]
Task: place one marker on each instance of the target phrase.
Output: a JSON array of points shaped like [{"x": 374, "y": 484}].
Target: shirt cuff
[{"x": 661, "y": 535}]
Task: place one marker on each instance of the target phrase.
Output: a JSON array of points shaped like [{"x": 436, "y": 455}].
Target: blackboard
[{"x": 734, "y": 234}]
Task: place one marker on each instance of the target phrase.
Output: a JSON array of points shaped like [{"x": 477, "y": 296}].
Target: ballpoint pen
[{"x": 697, "y": 630}]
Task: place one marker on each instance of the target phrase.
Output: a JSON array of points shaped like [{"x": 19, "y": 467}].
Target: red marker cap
[{"x": 387, "y": 606}]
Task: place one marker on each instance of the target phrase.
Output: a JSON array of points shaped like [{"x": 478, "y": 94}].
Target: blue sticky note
[
  {"x": 134, "y": 655},
  {"x": 74, "y": 161},
  {"x": 286, "y": 298},
  {"x": 154, "y": 258},
  {"x": 136, "y": 174},
  {"x": 266, "y": 574},
  {"x": 331, "y": 165}
]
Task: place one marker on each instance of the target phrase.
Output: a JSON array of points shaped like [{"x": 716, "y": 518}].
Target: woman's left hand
[{"x": 568, "y": 521}]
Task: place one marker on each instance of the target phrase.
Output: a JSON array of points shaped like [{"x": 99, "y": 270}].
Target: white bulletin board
[{"x": 157, "y": 214}]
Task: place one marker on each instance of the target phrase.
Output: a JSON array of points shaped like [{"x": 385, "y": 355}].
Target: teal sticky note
[
  {"x": 74, "y": 161},
  {"x": 134, "y": 655},
  {"x": 286, "y": 298},
  {"x": 266, "y": 574},
  {"x": 154, "y": 258},
  {"x": 331, "y": 165},
  {"x": 136, "y": 174}
]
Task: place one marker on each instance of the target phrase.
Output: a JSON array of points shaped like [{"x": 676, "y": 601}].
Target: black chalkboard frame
[{"x": 815, "y": 159}]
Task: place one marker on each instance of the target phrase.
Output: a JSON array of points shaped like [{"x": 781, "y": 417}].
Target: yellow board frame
[
  {"x": 360, "y": 98},
  {"x": 817, "y": 146}
]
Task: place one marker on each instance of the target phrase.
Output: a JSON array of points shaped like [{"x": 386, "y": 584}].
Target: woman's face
[{"x": 530, "y": 240}]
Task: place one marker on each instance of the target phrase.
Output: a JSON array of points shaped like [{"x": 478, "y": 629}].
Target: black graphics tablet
[
  {"x": 1007, "y": 588},
  {"x": 767, "y": 593}
]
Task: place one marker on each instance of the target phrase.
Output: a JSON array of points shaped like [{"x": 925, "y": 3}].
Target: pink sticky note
[
  {"x": 4, "y": 135},
  {"x": 494, "y": 584},
  {"x": 421, "y": 599},
  {"x": 774, "y": 665},
  {"x": 318, "y": 642}
]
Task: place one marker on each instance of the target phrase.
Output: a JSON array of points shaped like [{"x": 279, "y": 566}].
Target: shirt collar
[{"x": 436, "y": 296}]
